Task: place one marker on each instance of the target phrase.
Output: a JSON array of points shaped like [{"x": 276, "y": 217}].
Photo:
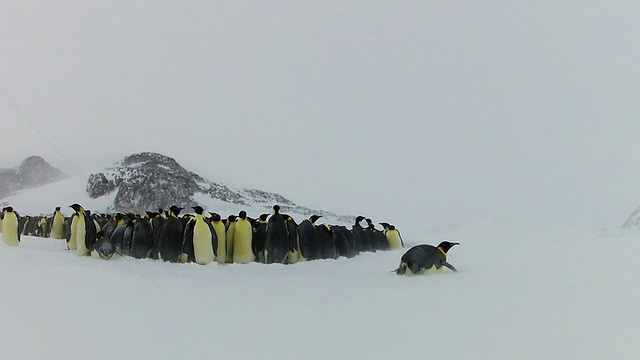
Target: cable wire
[{"x": 41, "y": 134}]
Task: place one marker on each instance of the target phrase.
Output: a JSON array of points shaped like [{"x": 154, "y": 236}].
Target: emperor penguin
[
  {"x": 392, "y": 236},
  {"x": 231, "y": 232},
  {"x": 142, "y": 239},
  {"x": 83, "y": 231},
  {"x": 327, "y": 242},
  {"x": 171, "y": 237},
  {"x": 127, "y": 236},
  {"x": 243, "y": 240},
  {"x": 221, "y": 235},
  {"x": 343, "y": 238},
  {"x": 359, "y": 235},
  {"x": 260, "y": 236},
  {"x": 157, "y": 223},
  {"x": 10, "y": 233},
  {"x": 57, "y": 225},
  {"x": 309, "y": 240},
  {"x": 293, "y": 256},
  {"x": 200, "y": 239},
  {"x": 425, "y": 259},
  {"x": 105, "y": 245},
  {"x": 276, "y": 244},
  {"x": 377, "y": 240}
]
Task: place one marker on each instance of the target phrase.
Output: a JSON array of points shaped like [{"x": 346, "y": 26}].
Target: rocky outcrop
[
  {"x": 147, "y": 181},
  {"x": 34, "y": 171}
]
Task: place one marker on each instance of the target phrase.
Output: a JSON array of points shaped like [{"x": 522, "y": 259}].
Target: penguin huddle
[
  {"x": 167, "y": 236},
  {"x": 269, "y": 239}
]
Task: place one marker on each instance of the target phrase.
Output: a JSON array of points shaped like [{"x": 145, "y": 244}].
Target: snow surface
[{"x": 520, "y": 293}]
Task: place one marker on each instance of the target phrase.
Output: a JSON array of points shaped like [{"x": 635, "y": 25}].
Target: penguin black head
[
  {"x": 215, "y": 216},
  {"x": 198, "y": 209},
  {"x": 359, "y": 218},
  {"x": 232, "y": 218},
  {"x": 314, "y": 218},
  {"x": 75, "y": 207},
  {"x": 118, "y": 216},
  {"x": 8, "y": 209},
  {"x": 445, "y": 246},
  {"x": 242, "y": 214},
  {"x": 384, "y": 225},
  {"x": 174, "y": 210},
  {"x": 276, "y": 209},
  {"x": 57, "y": 208},
  {"x": 263, "y": 217}
]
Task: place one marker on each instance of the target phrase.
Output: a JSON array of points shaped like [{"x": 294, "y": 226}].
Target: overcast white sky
[{"x": 442, "y": 112}]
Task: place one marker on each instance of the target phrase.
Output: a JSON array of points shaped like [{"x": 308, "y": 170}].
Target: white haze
[{"x": 412, "y": 113}]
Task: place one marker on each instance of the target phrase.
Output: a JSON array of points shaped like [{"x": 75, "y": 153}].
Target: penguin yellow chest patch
[
  {"x": 393, "y": 238},
  {"x": 57, "y": 227},
  {"x": 242, "y": 252},
  {"x": 79, "y": 236},
  {"x": 10, "y": 229},
  {"x": 202, "y": 246},
  {"x": 218, "y": 227}
]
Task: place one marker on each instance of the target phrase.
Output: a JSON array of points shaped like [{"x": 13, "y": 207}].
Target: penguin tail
[{"x": 401, "y": 269}]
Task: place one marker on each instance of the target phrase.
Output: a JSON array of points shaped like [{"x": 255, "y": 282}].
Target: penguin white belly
[
  {"x": 218, "y": 227},
  {"x": 81, "y": 234},
  {"x": 202, "y": 247},
  {"x": 1, "y": 225},
  {"x": 10, "y": 229},
  {"x": 293, "y": 257},
  {"x": 393, "y": 237},
  {"x": 57, "y": 228},
  {"x": 72, "y": 238},
  {"x": 242, "y": 252},
  {"x": 432, "y": 270}
]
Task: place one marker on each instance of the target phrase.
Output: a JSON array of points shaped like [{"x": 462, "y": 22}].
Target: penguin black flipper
[
  {"x": 449, "y": 266},
  {"x": 214, "y": 237},
  {"x": 187, "y": 242}
]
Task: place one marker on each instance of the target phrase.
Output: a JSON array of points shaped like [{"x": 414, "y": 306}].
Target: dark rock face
[
  {"x": 34, "y": 171},
  {"x": 148, "y": 181}
]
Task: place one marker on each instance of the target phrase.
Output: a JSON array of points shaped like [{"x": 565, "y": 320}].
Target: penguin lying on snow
[{"x": 425, "y": 259}]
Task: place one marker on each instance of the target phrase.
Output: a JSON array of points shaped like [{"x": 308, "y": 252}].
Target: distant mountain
[
  {"x": 34, "y": 171},
  {"x": 633, "y": 222},
  {"x": 148, "y": 181}
]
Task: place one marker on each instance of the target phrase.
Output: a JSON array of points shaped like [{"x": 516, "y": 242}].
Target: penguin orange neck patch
[{"x": 441, "y": 250}]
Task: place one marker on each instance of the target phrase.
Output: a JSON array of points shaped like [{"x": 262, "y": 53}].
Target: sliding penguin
[
  {"x": 393, "y": 236},
  {"x": 171, "y": 236},
  {"x": 83, "y": 231},
  {"x": 10, "y": 233},
  {"x": 200, "y": 239},
  {"x": 425, "y": 259},
  {"x": 243, "y": 240},
  {"x": 308, "y": 239},
  {"x": 218, "y": 227},
  {"x": 277, "y": 242}
]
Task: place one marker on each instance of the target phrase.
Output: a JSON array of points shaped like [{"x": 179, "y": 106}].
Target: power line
[{"x": 41, "y": 134}]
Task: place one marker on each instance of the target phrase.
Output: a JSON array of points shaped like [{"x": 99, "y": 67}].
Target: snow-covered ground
[{"x": 520, "y": 293}]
